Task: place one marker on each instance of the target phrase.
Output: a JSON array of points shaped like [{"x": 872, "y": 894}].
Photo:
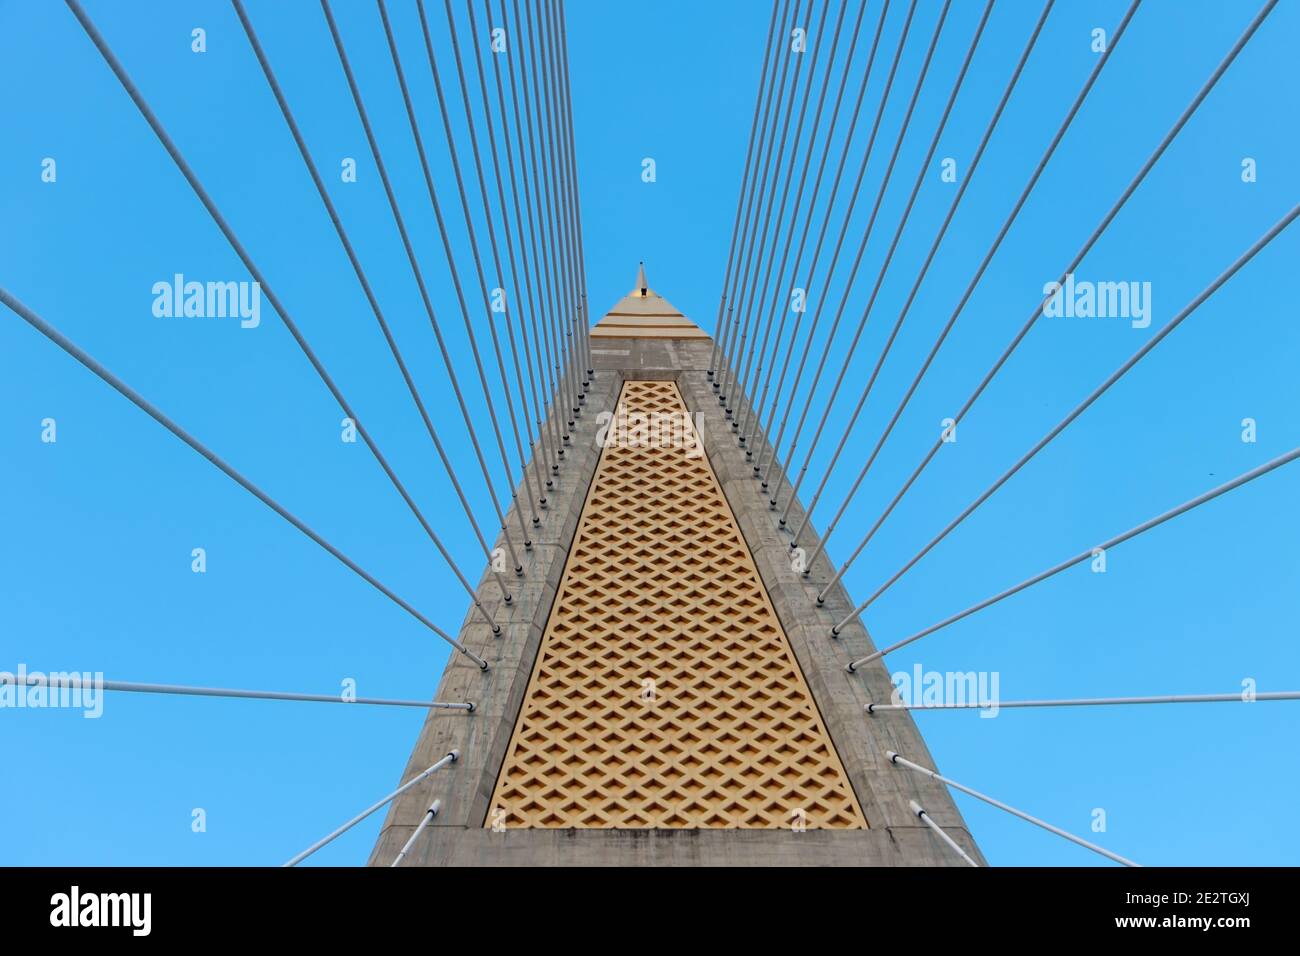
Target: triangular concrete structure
[{"x": 665, "y": 689}]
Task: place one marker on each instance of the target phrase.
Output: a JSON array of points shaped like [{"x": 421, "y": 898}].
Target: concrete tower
[{"x": 664, "y": 689}]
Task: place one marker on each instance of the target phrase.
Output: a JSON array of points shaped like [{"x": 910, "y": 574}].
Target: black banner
[{"x": 675, "y": 907}]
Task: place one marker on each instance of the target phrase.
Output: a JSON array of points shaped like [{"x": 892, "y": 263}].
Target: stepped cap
[{"x": 644, "y": 314}]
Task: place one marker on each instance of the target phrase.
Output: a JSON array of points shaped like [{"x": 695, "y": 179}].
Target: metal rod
[
  {"x": 417, "y": 272},
  {"x": 925, "y": 267},
  {"x": 904, "y": 762},
  {"x": 63, "y": 342},
  {"x": 562, "y": 59},
  {"x": 1096, "y": 393},
  {"x": 781, "y": 297},
  {"x": 925, "y": 818},
  {"x": 569, "y": 153},
  {"x": 542, "y": 464},
  {"x": 1098, "y": 701},
  {"x": 746, "y": 200},
  {"x": 752, "y": 399},
  {"x": 333, "y": 214},
  {"x": 526, "y": 478},
  {"x": 731, "y": 341},
  {"x": 754, "y": 303},
  {"x": 208, "y": 204},
  {"x": 539, "y": 276},
  {"x": 857, "y": 262},
  {"x": 1147, "y": 525},
  {"x": 565, "y": 198},
  {"x": 766, "y": 199},
  {"x": 446, "y": 246},
  {"x": 547, "y": 192},
  {"x": 450, "y": 758},
  {"x": 764, "y": 468},
  {"x": 186, "y": 690},
  {"x": 744, "y": 187},
  {"x": 424, "y": 822},
  {"x": 538, "y": 495},
  {"x": 922, "y": 171},
  {"x": 839, "y": 246},
  {"x": 1079, "y": 256},
  {"x": 566, "y": 392},
  {"x": 1116, "y": 35}
]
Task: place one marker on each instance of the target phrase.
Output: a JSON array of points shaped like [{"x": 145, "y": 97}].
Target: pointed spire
[{"x": 644, "y": 313}]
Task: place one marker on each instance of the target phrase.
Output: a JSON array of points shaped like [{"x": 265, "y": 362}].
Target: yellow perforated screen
[{"x": 665, "y": 693}]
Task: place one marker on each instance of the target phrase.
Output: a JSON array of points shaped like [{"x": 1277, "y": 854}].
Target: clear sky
[{"x": 96, "y": 530}]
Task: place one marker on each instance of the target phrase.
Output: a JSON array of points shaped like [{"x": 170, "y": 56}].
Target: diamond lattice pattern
[{"x": 665, "y": 693}]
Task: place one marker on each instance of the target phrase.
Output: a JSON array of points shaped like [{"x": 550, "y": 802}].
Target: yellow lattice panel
[{"x": 665, "y": 693}]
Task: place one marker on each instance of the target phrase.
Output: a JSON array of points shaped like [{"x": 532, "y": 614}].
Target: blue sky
[{"x": 98, "y": 528}]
